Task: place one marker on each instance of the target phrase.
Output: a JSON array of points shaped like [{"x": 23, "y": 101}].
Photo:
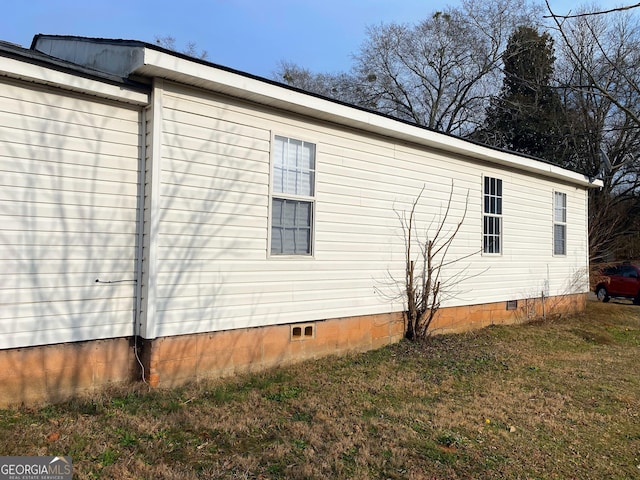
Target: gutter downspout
[
  {"x": 138, "y": 316},
  {"x": 151, "y": 224}
]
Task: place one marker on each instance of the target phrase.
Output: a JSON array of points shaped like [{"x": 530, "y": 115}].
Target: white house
[{"x": 167, "y": 218}]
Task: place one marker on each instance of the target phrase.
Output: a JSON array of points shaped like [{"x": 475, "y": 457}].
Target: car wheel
[
  {"x": 602, "y": 294},
  {"x": 636, "y": 301}
]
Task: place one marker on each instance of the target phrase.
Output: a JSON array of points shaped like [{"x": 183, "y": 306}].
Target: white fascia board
[
  {"x": 13, "y": 68},
  {"x": 161, "y": 64}
]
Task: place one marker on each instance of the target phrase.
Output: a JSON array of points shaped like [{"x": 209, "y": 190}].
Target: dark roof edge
[
  {"x": 35, "y": 57},
  {"x": 111, "y": 41}
]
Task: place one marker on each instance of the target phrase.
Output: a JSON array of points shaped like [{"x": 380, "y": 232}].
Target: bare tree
[
  {"x": 429, "y": 276},
  {"x": 441, "y": 72},
  {"x": 191, "y": 48},
  {"x": 438, "y": 73},
  {"x": 593, "y": 12},
  {"x": 600, "y": 73},
  {"x": 605, "y": 54},
  {"x": 339, "y": 86}
]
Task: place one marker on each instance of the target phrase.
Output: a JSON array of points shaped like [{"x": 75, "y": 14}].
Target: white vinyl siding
[
  {"x": 214, "y": 265},
  {"x": 559, "y": 223},
  {"x": 68, "y": 216}
]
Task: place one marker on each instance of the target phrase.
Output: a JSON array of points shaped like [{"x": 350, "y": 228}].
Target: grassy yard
[{"x": 554, "y": 399}]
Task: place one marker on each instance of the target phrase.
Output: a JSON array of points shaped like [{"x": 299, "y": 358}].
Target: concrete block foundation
[{"x": 53, "y": 373}]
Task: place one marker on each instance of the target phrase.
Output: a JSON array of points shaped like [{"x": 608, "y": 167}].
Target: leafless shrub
[{"x": 425, "y": 285}]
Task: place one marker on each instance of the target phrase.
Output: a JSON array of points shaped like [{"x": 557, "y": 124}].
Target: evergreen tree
[{"x": 528, "y": 116}]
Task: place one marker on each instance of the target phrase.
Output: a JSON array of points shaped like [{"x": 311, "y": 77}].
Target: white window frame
[
  {"x": 494, "y": 215},
  {"x": 559, "y": 221},
  {"x": 276, "y": 194}
]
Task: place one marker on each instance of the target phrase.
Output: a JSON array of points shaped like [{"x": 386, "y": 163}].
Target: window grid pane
[
  {"x": 291, "y": 227},
  {"x": 294, "y": 167},
  {"x": 293, "y": 175},
  {"x": 492, "y": 229},
  {"x": 560, "y": 207},
  {"x": 559, "y": 223},
  {"x": 559, "y": 239}
]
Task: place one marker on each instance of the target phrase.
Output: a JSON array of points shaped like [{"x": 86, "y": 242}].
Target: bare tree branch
[{"x": 590, "y": 14}]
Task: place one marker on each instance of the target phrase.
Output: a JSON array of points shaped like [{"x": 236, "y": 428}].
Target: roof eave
[
  {"x": 159, "y": 63},
  {"x": 43, "y": 73}
]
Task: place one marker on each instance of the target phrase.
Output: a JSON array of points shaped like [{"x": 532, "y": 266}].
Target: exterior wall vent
[{"x": 303, "y": 332}]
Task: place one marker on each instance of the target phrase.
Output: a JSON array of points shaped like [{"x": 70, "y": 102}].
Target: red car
[{"x": 621, "y": 281}]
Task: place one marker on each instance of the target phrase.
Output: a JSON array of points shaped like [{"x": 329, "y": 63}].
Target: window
[
  {"x": 492, "y": 218},
  {"x": 292, "y": 201},
  {"x": 627, "y": 271},
  {"x": 559, "y": 223}
]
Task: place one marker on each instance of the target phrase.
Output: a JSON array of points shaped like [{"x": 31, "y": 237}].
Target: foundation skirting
[{"x": 53, "y": 373}]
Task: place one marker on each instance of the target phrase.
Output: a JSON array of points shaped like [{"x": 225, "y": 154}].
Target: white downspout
[
  {"x": 151, "y": 212},
  {"x": 138, "y": 317}
]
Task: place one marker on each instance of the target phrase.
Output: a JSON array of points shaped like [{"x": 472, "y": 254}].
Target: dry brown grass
[{"x": 555, "y": 399}]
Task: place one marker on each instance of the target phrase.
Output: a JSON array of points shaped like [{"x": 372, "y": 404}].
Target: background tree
[
  {"x": 339, "y": 86},
  {"x": 190, "y": 48},
  {"x": 528, "y": 116},
  {"x": 600, "y": 55},
  {"x": 438, "y": 73}
]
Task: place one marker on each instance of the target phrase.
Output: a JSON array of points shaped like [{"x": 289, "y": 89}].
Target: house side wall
[
  {"x": 214, "y": 269},
  {"x": 215, "y": 302},
  {"x": 69, "y": 186}
]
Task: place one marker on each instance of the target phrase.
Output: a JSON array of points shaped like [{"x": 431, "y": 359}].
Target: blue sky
[{"x": 249, "y": 35}]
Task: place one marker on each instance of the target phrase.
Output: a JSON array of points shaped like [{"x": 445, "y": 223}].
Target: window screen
[{"x": 292, "y": 202}]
